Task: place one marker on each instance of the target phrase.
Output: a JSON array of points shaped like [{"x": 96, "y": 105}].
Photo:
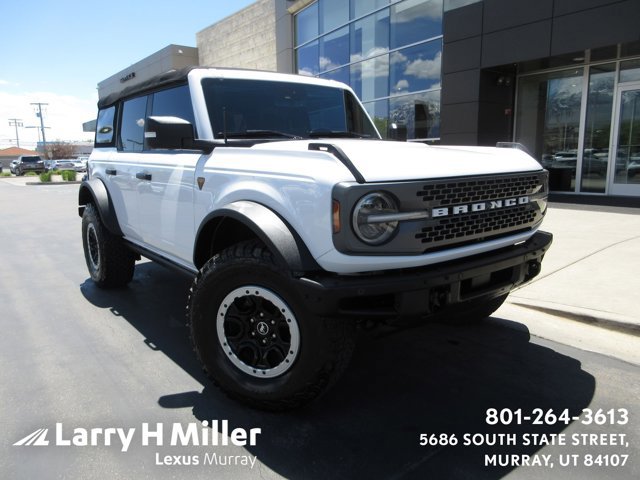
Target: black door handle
[
  {"x": 143, "y": 176},
  {"x": 111, "y": 171}
]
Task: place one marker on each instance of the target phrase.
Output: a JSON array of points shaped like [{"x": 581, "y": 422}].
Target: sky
[{"x": 56, "y": 52}]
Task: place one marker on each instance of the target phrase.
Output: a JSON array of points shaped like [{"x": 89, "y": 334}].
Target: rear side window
[
  {"x": 131, "y": 138},
  {"x": 104, "y": 126},
  {"x": 174, "y": 102}
]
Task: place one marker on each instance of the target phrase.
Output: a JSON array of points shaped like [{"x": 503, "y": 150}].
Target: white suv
[{"x": 297, "y": 221}]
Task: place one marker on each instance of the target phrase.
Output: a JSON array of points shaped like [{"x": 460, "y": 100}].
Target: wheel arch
[
  {"x": 94, "y": 191},
  {"x": 244, "y": 220}
]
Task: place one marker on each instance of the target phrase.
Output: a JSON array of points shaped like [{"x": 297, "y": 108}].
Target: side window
[
  {"x": 131, "y": 137},
  {"x": 104, "y": 126},
  {"x": 174, "y": 102}
]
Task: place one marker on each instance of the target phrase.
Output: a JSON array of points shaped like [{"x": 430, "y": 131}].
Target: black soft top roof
[{"x": 164, "y": 79}]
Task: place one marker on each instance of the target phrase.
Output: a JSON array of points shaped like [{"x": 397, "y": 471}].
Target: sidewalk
[{"x": 592, "y": 270}]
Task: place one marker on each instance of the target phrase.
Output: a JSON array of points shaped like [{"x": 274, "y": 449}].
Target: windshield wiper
[
  {"x": 259, "y": 134},
  {"x": 325, "y": 133}
]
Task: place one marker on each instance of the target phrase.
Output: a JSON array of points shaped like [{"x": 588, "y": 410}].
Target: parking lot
[{"x": 86, "y": 358}]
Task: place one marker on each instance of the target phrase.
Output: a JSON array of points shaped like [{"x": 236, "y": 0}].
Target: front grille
[
  {"x": 457, "y": 199},
  {"x": 480, "y": 189}
]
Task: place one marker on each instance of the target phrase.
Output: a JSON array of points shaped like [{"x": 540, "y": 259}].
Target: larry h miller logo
[{"x": 205, "y": 434}]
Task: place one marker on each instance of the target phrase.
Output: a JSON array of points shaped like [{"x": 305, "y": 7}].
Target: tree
[{"x": 59, "y": 150}]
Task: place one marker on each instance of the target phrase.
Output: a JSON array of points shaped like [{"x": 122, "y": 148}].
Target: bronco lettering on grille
[{"x": 478, "y": 207}]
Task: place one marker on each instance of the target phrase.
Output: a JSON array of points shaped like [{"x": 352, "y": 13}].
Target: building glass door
[{"x": 625, "y": 171}]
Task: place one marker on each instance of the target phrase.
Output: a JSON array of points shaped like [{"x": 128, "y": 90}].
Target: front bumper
[{"x": 429, "y": 290}]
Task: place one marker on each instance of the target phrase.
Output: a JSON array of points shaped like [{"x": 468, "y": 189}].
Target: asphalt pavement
[{"x": 80, "y": 357}]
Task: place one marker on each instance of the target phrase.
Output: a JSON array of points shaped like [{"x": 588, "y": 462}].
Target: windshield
[
  {"x": 30, "y": 159},
  {"x": 266, "y": 109}
]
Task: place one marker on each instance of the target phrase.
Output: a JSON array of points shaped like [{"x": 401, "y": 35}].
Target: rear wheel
[
  {"x": 110, "y": 262},
  {"x": 254, "y": 335}
]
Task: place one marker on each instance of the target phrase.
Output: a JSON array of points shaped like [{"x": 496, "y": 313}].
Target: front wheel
[{"x": 254, "y": 335}]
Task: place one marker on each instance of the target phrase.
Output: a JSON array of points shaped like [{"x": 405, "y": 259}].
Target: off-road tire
[
  {"x": 318, "y": 349},
  {"x": 110, "y": 263}
]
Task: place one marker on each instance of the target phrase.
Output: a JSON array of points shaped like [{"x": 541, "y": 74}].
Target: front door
[{"x": 624, "y": 173}]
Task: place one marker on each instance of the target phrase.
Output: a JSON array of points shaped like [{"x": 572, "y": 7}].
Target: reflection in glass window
[
  {"x": 595, "y": 156},
  {"x": 132, "y": 125},
  {"x": 415, "y": 20},
  {"x": 379, "y": 113},
  {"x": 370, "y": 79},
  {"x": 548, "y": 123},
  {"x": 307, "y": 24},
  {"x": 174, "y": 102},
  {"x": 104, "y": 126},
  {"x": 339, "y": 75},
  {"x": 334, "y": 50},
  {"x": 417, "y": 114},
  {"x": 416, "y": 68},
  {"x": 333, "y": 14},
  {"x": 628, "y": 154},
  {"x": 630, "y": 71},
  {"x": 362, "y": 7},
  {"x": 307, "y": 59},
  {"x": 370, "y": 36}
]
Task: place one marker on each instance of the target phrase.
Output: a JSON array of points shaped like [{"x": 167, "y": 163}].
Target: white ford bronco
[{"x": 298, "y": 221}]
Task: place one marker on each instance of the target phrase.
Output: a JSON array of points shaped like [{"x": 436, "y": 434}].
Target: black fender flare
[
  {"x": 284, "y": 243},
  {"x": 94, "y": 191}
]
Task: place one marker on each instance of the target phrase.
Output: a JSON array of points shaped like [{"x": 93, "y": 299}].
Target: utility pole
[
  {"x": 16, "y": 122},
  {"x": 39, "y": 114}
]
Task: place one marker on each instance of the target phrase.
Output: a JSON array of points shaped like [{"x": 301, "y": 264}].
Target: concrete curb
[
  {"x": 35, "y": 184},
  {"x": 605, "y": 320}
]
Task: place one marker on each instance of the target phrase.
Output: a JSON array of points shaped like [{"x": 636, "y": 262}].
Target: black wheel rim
[{"x": 258, "y": 331}]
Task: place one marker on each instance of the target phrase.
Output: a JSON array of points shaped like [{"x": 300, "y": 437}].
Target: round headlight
[{"x": 368, "y": 218}]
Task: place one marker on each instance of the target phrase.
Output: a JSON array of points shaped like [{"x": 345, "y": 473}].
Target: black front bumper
[{"x": 429, "y": 290}]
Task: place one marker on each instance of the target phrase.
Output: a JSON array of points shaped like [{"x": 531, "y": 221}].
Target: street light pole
[{"x": 16, "y": 122}]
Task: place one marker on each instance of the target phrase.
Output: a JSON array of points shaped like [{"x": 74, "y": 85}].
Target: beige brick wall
[{"x": 246, "y": 39}]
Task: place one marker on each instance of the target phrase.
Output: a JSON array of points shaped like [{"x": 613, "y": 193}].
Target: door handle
[
  {"x": 143, "y": 176},
  {"x": 111, "y": 171}
]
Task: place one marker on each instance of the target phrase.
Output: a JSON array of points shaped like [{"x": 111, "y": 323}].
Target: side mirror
[{"x": 173, "y": 133}]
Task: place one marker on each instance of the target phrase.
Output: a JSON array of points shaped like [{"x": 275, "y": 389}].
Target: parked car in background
[
  {"x": 79, "y": 165},
  {"x": 12, "y": 166},
  {"x": 65, "y": 164},
  {"x": 29, "y": 163}
]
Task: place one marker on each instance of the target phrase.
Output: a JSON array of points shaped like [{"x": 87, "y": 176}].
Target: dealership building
[{"x": 561, "y": 77}]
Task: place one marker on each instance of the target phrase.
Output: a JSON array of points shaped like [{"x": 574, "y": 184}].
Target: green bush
[
  {"x": 5, "y": 174},
  {"x": 31, "y": 174},
  {"x": 45, "y": 176},
  {"x": 68, "y": 175}
]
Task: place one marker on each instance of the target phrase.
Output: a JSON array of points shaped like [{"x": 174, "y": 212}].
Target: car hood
[{"x": 382, "y": 161}]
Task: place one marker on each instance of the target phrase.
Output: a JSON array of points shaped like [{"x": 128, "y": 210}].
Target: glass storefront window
[
  {"x": 307, "y": 59},
  {"x": 307, "y": 24},
  {"x": 370, "y": 79},
  {"x": 630, "y": 71},
  {"x": 340, "y": 75},
  {"x": 332, "y": 14},
  {"x": 595, "y": 156},
  {"x": 370, "y": 36},
  {"x": 417, "y": 114},
  {"x": 415, "y": 20},
  {"x": 548, "y": 123},
  {"x": 416, "y": 68},
  {"x": 628, "y": 154},
  {"x": 334, "y": 50},
  {"x": 379, "y": 113},
  {"x": 362, "y": 7}
]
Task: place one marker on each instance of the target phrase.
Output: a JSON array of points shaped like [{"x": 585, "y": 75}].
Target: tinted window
[
  {"x": 291, "y": 108},
  {"x": 415, "y": 20},
  {"x": 132, "y": 125},
  {"x": 175, "y": 102},
  {"x": 104, "y": 126}
]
